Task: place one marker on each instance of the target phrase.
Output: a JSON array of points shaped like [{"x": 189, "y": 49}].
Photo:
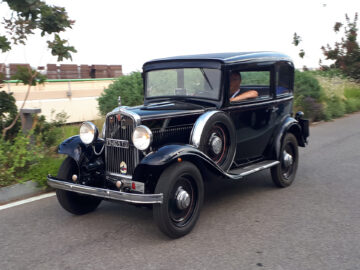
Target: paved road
[{"x": 314, "y": 224}]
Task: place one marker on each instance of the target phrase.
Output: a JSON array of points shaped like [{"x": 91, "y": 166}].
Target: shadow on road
[{"x": 218, "y": 194}]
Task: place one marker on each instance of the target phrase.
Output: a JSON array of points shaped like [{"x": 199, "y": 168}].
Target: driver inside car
[{"x": 235, "y": 92}]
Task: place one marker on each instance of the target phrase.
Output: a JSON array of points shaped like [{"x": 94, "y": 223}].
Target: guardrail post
[{"x": 27, "y": 119}]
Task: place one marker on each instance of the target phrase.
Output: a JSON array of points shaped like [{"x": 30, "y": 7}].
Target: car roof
[{"x": 229, "y": 57}]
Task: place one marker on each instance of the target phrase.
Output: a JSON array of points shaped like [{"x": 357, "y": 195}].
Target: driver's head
[{"x": 235, "y": 81}]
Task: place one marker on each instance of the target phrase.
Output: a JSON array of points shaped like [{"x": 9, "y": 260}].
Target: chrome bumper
[{"x": 105, "y": 193}]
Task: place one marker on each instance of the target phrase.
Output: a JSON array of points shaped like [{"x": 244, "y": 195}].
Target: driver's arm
[{"x": 246, "y": 95}]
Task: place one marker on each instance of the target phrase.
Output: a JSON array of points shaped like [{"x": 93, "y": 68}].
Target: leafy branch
[
  {"x": 346, "y": 52},
  {"x": 26, "y": 17},
  {"x": 29, "y": 15}
]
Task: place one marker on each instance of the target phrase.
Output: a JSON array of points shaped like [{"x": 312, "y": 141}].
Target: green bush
[
  {"x": 50, "y": 133},
  {"x": 307, "y": 85},
  {"x": 330, "y": 73},
  {"x": 16, "y": 157},
  {"x": 352, "y": 92},
  {"x": 128, "y": 87},
  {"x": 309, "y": 96},
  {"x": 352, "y": 105},
  {"x": 38, "y": 171},
  {"x": 335, "y": 107},
  {"x": 8, "y": 112},
  {"x": 31, "y": 156}
]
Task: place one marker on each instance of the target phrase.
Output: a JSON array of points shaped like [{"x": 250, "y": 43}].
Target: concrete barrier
[{"x": 78, "y": 98}]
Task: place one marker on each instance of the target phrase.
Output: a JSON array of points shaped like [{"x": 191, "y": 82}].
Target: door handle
[{"x": 274, "y": 108}]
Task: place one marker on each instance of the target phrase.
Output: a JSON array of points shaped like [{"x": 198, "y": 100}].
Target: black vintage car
[{"x": 224, "y": 115}]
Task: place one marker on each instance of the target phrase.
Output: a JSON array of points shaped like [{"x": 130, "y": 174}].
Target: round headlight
[
  {"x": 88, "y": 132},
  {"x": 142, "y": 137}
]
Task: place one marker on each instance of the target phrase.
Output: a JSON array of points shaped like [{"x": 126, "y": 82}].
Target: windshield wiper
[{"x": 206, "y": 78}]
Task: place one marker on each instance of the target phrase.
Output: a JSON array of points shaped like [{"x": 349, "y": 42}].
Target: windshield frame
[{"x": 181, "y": 97}]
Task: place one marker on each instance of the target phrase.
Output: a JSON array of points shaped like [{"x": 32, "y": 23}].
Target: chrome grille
[{"x": 120, "y": 126}]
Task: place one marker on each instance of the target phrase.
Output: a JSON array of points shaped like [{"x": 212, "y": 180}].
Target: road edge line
[{"x": 32, "y": 199}]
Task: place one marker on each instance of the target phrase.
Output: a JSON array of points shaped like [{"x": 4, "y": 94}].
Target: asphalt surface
[{"x": 314, "y": 224}]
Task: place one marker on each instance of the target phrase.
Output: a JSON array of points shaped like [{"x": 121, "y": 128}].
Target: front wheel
[
  {"x": 183, "y": 193},
  {"x": 284, "y": 174},
  {"x": 72, "y": 202}
]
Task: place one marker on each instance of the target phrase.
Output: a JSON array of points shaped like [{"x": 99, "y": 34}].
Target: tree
[
  {"x": 30, "y": 15},
  {"x": 8, "y": 111},
  {"x": 26, "y": 18},
  {"x": 128, "y": 87},
  {"x": 346, "y": 53},
  {"x": 296, "y": 41}
]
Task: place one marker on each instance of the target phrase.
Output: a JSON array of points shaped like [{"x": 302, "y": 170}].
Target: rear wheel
[
  {"x": 284, "y": 174},
  {"x": 183, "y": 192},
  {"x": 72, "y": 202}
]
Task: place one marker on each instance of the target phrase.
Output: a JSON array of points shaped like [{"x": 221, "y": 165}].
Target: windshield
[{"x": 190, "y": 82}]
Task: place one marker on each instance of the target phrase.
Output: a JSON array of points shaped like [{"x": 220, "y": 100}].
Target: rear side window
[
  {"x": 283, "y": 79},
  {"x": 255, "y": 78}
]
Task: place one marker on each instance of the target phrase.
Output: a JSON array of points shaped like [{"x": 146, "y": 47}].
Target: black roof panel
[{"x": 230, "y": 57}]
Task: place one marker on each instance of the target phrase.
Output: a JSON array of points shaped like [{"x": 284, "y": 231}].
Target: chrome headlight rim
[
  {"x": 91, "y": 136},
  {"x": 103, "y": 130},
  {"x": 150, "y": 140}
]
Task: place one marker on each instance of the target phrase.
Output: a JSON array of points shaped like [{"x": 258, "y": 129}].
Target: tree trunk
[{"x": 22, "y": 106}]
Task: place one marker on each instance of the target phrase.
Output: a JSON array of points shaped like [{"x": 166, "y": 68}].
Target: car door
[{"x": 253, "y": 118}]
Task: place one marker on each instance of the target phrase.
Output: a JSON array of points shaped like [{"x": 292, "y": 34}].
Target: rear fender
[{"x": 289, "y": 125}]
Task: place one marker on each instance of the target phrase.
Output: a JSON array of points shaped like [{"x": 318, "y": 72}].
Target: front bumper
[{"x": 105, "y": 193}]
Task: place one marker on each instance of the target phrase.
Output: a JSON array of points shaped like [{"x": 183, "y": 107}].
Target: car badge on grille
[
  {"x": 118, "y": 116},
  {"x": 123, "y": 167}
]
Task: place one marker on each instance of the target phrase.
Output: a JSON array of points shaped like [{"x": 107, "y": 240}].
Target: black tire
[
  {"x": 221, "y": 126},
  {"x": 72, "y": 202},
  {"x": 284, "y": 174},
  {"x": 171, "y": 220}
]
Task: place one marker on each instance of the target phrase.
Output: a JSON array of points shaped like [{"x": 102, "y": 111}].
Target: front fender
[
  {"x": 76, "y": 149},
  {"x": 169, "y": 153},
  {"x": 152, "y": 165},
  {"x": 72, "y": 147}
]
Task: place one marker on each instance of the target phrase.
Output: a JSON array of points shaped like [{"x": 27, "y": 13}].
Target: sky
[{"x": 130, "y": 33}]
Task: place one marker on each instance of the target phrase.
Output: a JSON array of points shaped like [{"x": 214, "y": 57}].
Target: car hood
[{"x": 167, "y": 109}]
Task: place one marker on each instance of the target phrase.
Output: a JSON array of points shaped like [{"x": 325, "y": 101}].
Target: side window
[
  {"x": 283, "y": 79},
  {"x": 246, "y": 85}
]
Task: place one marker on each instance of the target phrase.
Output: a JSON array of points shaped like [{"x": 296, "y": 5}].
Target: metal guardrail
[{"x": 65, "y": 80}]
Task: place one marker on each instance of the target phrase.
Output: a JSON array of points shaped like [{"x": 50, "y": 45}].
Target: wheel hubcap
[
  {"x": 288, "y": 159},
  {"x": 216, "y": 144},
  {"x": 182, "y": 199}
]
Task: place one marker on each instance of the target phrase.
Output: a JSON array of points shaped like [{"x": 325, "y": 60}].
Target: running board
[{"x": 253, "y": 168}]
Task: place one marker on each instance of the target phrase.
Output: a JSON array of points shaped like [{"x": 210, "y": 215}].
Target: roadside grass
[
  {"x": 342, "y": 95},
  {"x": 70, "y": 130},
  {"x": 47, "y": 160},
  {"x": 38, "y": 171},
  {"x": 51, "y": 162},
  {"x": 7, "y": 182}
]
